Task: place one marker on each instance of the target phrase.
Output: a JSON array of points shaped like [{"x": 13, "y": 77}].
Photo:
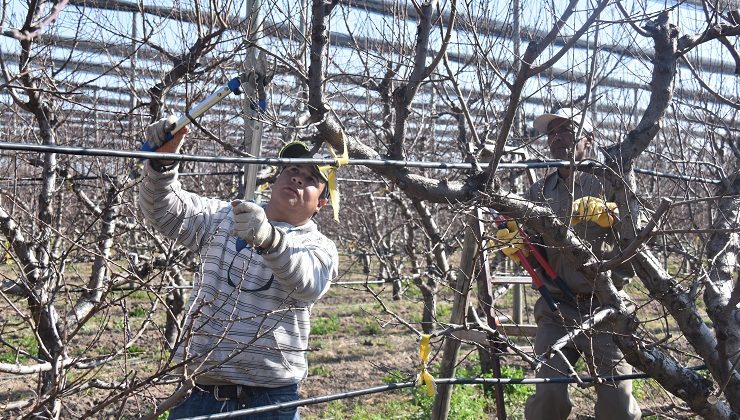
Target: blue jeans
[{"x": 201, "y": 403}]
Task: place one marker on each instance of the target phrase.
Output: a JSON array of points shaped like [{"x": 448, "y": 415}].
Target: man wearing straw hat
[
  {"x": 581, "y": 200},
  {"x": 245, "y": 336}
]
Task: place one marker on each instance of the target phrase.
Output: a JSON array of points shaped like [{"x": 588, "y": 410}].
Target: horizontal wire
[
  {"x": 529, "y": 164},
  {"x": 441, "y": 381},
  {"x": 88, "y": 151},
  {"x": 180, "y": 174}
]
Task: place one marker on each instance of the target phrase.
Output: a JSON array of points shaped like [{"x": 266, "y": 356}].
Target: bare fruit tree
[
  {"x": 717, "y": 348},
  {"x": 77, "y": 212},
  {"x": 390, "y": 81}
]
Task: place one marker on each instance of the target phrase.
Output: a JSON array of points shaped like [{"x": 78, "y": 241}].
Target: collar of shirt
[
  {"x": 287, "y": 227},
  {"x": 554, "y": 179}
]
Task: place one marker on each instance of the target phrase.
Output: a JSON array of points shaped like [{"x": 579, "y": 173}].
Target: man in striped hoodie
[{"x": 245, "y": 337}]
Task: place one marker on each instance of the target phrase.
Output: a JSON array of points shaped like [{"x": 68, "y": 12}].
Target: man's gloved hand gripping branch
[
  {"x": 251, "y": 225},
  {"x": 594, "y": 209}
]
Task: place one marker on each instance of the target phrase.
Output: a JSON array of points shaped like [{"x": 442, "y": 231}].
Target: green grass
[
  {"x": 118, "y": 325},
  {"x": 371, "y": 327},
  {"x": 515, "y": 395},
  {"x": 319, "y": 370},
  {"x": 137, "y": 312},
  {"x": 444, "y": 310},
  {"x": 405, "y": 409},
  {"x": 467, "y": 402},
  {"x": 412, "y": 292},
  {"x": 26, "y": 343},
  {"x": 134, "y": 349},
  {"x": 325, "y": 325},
  {"x": 580, "y": 365},
  {"x": 639, "y": 388},
  {"x": 347, "y": 409}
]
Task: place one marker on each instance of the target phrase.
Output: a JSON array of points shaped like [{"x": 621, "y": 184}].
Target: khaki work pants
[{"x": 614, "y": 400}]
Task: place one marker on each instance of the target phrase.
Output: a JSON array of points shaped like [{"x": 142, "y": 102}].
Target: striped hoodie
[{"x": 248, "y": 314}]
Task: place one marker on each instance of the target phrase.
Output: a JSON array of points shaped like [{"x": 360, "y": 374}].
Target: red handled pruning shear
[
  {"x": 546, "y": 266},
  {"x": 536, "y": 280}
]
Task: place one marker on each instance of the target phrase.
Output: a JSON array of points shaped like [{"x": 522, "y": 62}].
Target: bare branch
[{"x": 33, "y": 30}]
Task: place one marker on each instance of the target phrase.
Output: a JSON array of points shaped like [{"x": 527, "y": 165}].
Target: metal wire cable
[
  {"x": 180, "y": 174},
  {"x": 441, "y": 381},
  {"x": 85, "y": 151}
]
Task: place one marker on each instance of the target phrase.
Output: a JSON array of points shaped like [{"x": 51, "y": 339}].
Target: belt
[
  {"x": 586, "y": 297},
  {"x": 580, "y": 298},
  {"x": 227, "y": 392}
]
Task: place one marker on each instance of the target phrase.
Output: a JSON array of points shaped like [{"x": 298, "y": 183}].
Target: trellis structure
[
  {"x": 116, "y": 74},
  {"x": 104, "y": 67}
]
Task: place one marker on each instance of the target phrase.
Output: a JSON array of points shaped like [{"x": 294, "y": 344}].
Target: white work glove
[
  {"x": 155, "y": 133},
  {"x": 251, "y": 225}
]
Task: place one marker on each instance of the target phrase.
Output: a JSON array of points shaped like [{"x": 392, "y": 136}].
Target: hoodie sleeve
[
  {"x": 178, "y": 214},
  {"x": 306, "y": 262}
]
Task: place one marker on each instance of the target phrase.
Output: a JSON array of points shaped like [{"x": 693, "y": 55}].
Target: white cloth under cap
[{"x": 573, "y": 114}]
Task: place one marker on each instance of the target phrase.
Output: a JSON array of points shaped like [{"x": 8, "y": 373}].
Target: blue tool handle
[
  {"x": 233, "y": 86},
  {"x": 146, "y": 147},
  {"x": 548, "y": 298},
  {"x": 565, "y": 288}
]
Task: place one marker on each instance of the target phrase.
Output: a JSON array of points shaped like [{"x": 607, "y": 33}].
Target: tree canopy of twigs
[{"x": 400, "y": 80}]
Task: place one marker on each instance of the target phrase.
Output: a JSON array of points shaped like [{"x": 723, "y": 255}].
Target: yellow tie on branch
[
  {"x": 331, "y": 174},
  {"x": 6, "y": 253},
  {"x": 594, "y": 209},
  {"x": 425, "y": 378}
]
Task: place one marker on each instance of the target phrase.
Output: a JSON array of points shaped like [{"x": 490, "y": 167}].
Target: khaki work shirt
[{"x": 554, "y": 192}]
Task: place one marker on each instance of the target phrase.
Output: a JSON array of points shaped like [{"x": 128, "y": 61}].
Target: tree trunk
[
  {"x": 722, "y": 305},
  {"x": 451, "y": 346}
]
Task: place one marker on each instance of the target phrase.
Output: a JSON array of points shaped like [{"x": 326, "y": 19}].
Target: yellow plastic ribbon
[
  {"x": 6, "y": 251},
  {"x": 263, "y": 187},
  {"x": 594, "y": 209},
  {"x": 512, "y": 241},
  {"x": 69, "y": 184},
  {"x": 425, "y": 378},
  {"x": 331, "y": 175}
]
